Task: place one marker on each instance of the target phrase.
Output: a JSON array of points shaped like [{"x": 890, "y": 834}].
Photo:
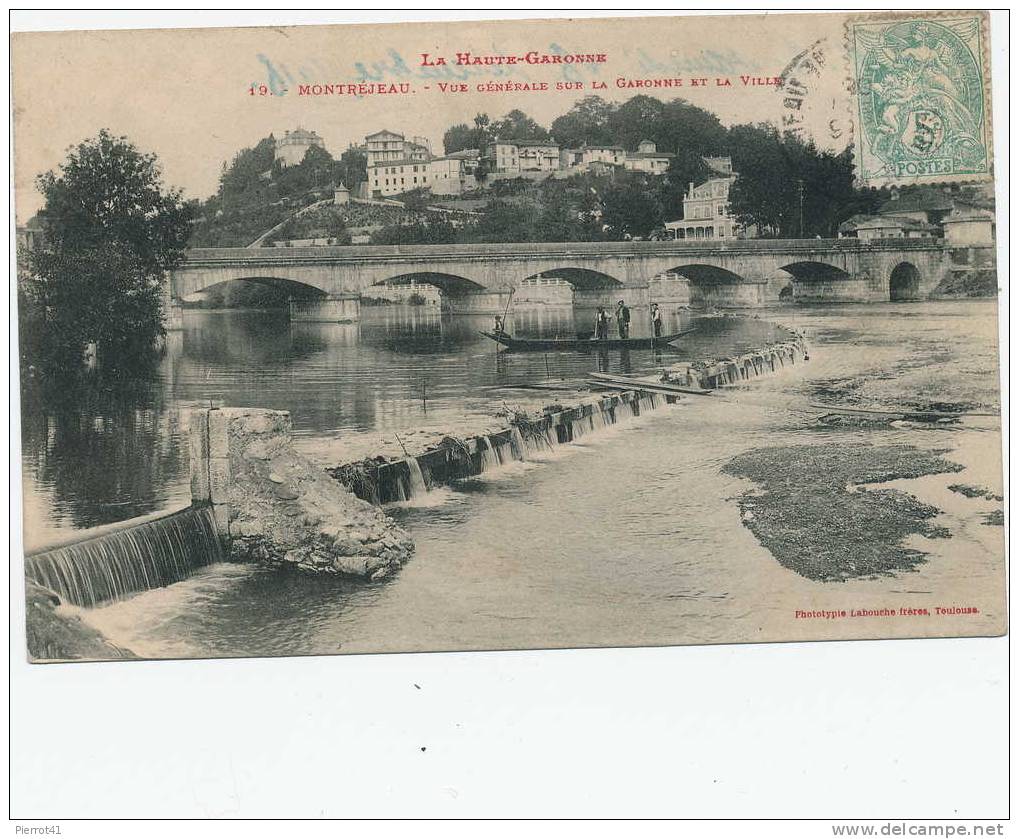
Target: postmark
[{"x": 921, "y": 101}]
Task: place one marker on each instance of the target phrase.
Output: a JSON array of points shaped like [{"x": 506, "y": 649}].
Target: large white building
[
  {"x": 648, "y": 159},
  {"x": 395, "y": 176},
  {"x": 503, "y": 158},
  {"x": 397, "y": 164},
  {"x": 387, "y": 147},
  {"x": 706, "y": 205},
  {"x": 447, "y": 175},
  {"x": 293, "y": 145},
  {"x": 538, "y": 156}
]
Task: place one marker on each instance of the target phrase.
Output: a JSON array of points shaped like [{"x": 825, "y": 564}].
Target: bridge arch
[
  {"x": 276, "y": 290},
  {"x": 904, "y": 282},
  {"x": 813, "y": 272},
  {"x": 582, "y": 279},
  {"x": 452, "y": 285}
]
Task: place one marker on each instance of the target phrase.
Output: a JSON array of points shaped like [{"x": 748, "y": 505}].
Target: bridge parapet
[{"x": 823, "y": 269}]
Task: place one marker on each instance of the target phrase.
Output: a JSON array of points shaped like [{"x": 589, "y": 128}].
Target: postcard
[{"x": 506, "y": 335}]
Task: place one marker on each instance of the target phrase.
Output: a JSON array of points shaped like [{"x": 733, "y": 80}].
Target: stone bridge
[{"x": 327, "y": 282}]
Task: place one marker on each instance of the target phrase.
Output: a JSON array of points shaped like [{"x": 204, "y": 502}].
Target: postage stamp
[{"x": 922, "y": 108}]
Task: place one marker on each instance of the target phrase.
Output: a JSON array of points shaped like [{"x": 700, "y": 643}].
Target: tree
[
  {"x": 352, "y": 169},
  {"x": 517, "y": 127},
  {"x": 631, "y": 209},
  {"x": 585, "y": 123},
  {"x": 318, "y": 166},
  {"x": 639, "y": 118},
  {"x": 503, "y": 221},
  {"x": 111, "y": 232},
  {"x": 459, "y": 137}
]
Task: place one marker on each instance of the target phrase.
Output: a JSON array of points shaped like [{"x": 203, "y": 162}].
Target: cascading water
[
  {"x": 141, "y": 557},
  {"x": 489, "y": 456},
  {"x": 550, "y": 438},
  {"x": 517, "y": 439},
  {"x": 417, "y": 486}
]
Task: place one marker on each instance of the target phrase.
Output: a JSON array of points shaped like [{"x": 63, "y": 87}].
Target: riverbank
[
  {"x": 634, "y": 536},
  {"x": 56, "y": 632}
]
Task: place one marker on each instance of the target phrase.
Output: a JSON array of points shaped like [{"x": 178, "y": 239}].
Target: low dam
[
  {"x": 132, "y": 556},
  {"x": 254, "y": 498}
]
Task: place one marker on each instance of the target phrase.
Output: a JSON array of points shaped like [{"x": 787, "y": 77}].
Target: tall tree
[
  {"x": 587, "y": 122},
  {"x": 352, "y": 169},
  {"x": 630, "y": 207},
  {"x": 111, "y": 232},
  {"x": 517, "y": 127}
]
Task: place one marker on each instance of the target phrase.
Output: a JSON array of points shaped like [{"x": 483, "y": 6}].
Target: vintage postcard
[{"x": 508, "y": 335}]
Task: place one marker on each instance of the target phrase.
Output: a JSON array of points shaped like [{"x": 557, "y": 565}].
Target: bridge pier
[
  {"x": 475, "y": 303},
  {"x": 748, "y": 294},
  {"x": 336, "y": 308},
  {"x": 632, "y": 296},
  {"x": 857, "y": 289}
]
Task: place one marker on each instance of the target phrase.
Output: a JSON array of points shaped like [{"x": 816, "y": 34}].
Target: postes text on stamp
[{"x": 921, "y": 106}]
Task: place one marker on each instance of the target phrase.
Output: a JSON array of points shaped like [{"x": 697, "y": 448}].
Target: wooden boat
[
  {"x": 617, "y": 382},
  {"x": 584, "y": 344}
]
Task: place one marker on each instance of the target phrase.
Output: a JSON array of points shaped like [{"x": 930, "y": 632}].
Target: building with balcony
[
  {"x": 706, "y": 205},
  {"x": 388, "y": 147}
]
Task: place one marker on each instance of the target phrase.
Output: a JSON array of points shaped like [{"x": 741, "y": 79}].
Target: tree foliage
[
  {"x": 517, "y": 127},
  {"x": 111, "y": 232},
  {"x": 352, "y": 169}
]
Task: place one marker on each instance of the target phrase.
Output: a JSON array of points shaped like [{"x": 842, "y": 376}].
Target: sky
[{"x": 185, "y": 94}]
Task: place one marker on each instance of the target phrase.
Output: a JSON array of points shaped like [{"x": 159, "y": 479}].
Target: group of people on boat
[{"x": 601, "y": 323}]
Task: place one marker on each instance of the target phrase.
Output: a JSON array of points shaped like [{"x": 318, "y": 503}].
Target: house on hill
[
  {"x": 706, "y": 205},
  {"x": 293, "y": 145}
]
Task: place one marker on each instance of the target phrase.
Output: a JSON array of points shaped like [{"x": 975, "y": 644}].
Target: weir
[
  {"x": 255, "y": 498},
  {"x": 135, "y": 556},
  {"x": 456, "y": 459}
]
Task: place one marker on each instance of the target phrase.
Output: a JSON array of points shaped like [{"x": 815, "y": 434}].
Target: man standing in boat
[
  {"x": 656, "y": 320},
  {"x": 623, "y": 319},
  {"x": 601, "y": 324}
]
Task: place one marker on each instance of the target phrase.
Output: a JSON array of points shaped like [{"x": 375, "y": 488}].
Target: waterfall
[
  {"x": 519, "y": 446},
  {"x": 550, "y": 438},
  {"x": 417, "y": 480},
  {"x": 136, "y": 558},
  {"x": 577, "y": 428},
  {"x": 489, "y": 457},
  {"x": 597, "y": 417}
]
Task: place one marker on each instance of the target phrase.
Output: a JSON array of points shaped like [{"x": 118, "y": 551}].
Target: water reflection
[{"x": 93, "y": 456}]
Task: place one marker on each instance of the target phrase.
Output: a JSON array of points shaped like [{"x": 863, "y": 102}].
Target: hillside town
[{"x": 397, "y": 164}]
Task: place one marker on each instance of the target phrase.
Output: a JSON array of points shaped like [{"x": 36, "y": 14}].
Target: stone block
[
  {"x": 220, "y": 482},
  {"x": 198, "y": 444},
  {"x": 355, "y": 565},
  {"x": 221, "y": 513},
  {"x": 219, "y": 434}
]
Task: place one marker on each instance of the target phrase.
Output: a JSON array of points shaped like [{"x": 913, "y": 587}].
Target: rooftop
[
  {"x": 920, "y": 200},
  {"x": 862, "y": 220}
]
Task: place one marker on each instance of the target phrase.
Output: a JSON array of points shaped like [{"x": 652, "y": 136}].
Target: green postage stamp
[{"x": 922, "y": 102}]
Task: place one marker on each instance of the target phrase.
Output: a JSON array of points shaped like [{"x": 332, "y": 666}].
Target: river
[{"x": 631, "y": 536}]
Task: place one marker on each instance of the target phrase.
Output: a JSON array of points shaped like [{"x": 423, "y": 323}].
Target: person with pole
[
  {"x": 656, "y": 320},
  {"x": 601, "y": 324},
  {"x": 623, "y": 319}
]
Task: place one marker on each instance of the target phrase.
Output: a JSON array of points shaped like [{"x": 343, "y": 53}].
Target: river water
[{"x": 631, "y": 536}]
